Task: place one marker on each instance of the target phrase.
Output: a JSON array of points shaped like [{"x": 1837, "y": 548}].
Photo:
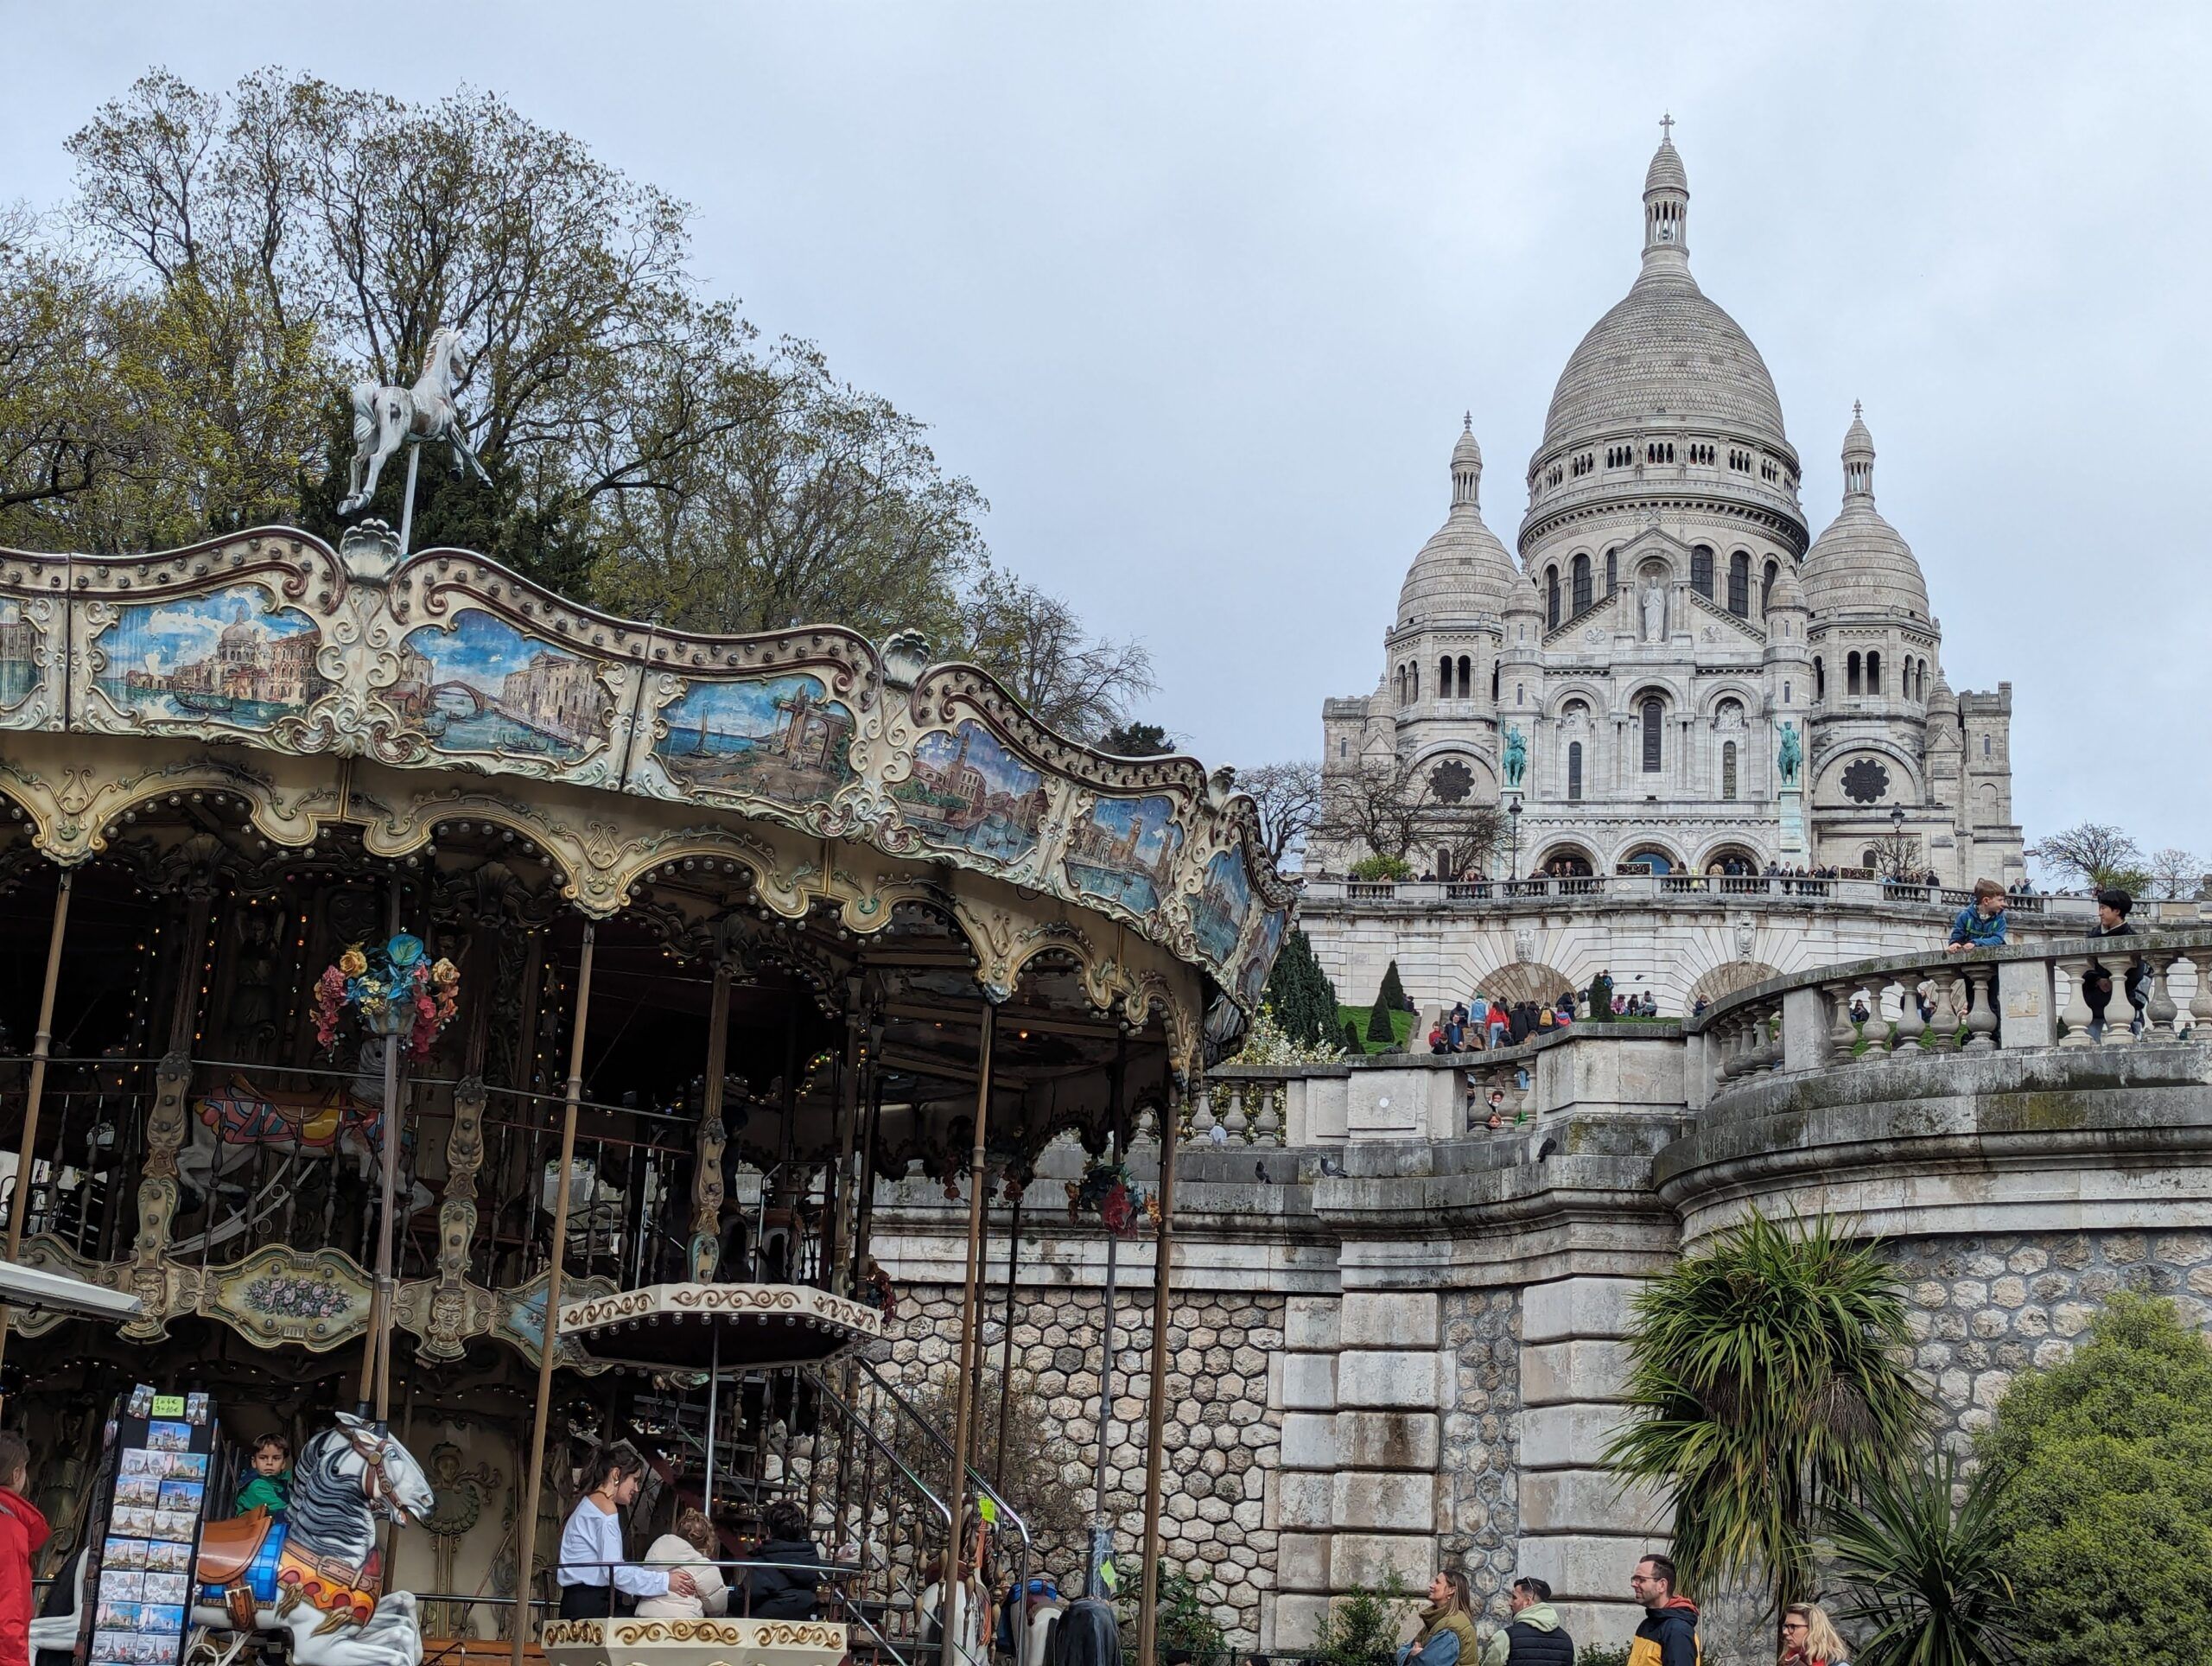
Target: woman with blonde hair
[
  {"x": 1447, "y": 1625},
  {"x": 692, "y": 1548},
  {"x": 1810, "y": 1638}
]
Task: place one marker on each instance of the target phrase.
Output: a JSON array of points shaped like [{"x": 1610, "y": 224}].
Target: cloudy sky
[{"x": 1196, "y": 294}]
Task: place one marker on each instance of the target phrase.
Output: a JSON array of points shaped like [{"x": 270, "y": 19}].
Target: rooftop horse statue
[
  {"x": 385, "y": 417},
  {"x": 317, "y": 1574}
]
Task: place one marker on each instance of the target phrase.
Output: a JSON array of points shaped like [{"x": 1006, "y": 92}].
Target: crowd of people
[{"x": 1479, "y": 1023}]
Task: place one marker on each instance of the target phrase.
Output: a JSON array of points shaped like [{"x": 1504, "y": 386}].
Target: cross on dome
[{"x": 1666, "y": 127}]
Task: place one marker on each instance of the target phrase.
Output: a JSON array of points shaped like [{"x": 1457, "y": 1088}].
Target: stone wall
[
  {"x": 1223, "y": 1435},
  {"x": 1480, "y": 1523}
]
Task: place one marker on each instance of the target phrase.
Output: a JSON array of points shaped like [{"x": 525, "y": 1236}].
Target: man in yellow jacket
[{"x": 1668, "y": 1634}]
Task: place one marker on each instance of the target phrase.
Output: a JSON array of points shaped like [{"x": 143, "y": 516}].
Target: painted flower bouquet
[
  {"x": 1119, "y": 1203},
  {"x": 395, "y": 988}
]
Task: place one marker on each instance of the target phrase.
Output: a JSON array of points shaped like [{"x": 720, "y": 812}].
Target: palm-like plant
[
  {"x": 1768, "y": 1374},
  {"x": 1925, "y": 1584}
]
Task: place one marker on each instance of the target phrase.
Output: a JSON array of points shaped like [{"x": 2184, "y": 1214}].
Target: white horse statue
[
  {"x": 322, "y": 1558},
  {"x": 385, "y": 417}
]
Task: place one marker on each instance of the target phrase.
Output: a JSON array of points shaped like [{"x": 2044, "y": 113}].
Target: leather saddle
[{"x": 227, "y": 1548}]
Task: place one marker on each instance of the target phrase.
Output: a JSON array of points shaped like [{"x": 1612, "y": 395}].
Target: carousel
[{"x": 406, "y": 954}]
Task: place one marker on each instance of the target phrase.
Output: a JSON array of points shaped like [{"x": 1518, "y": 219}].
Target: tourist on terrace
[
  {"x": 592, "y": 1566},
  {"x": 1810, "y": 1639},
  {"x": 2114, "y": 906},
  {"x": 1447, "y": 1625}
]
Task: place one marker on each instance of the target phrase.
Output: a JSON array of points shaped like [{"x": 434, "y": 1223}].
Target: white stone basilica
[{"x": 1671, "y": 628}]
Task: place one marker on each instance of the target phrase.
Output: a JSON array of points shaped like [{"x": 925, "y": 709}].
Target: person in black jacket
[
  {"x": 2114, "y": 906},
  {"x": 1534, "y": 1636},
  {"x": 786, "y": 1589},
  {"x": 1667, "y": 1635}
]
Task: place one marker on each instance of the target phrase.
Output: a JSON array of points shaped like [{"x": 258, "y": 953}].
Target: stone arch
[
  {"x": 1727, "y": 978},
  {"x": 1721, "y": 849},
  {"x": 1571, "y": 851},
  {"x": 1710, "y": 700},
  {"x": 1637, "y": 849},
  {"x": 1524, "y": 980}
]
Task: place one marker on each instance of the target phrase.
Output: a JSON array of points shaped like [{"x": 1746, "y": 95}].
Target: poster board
[{"x": 142, "y": 1592}]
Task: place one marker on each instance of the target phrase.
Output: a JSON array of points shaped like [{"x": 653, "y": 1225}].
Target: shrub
[
  {"x": 1353, "y": 1045},
  {"x": 2106, "y": 1521},
  {"x": 1382, "y": 867},
  {"x": 1596, "y": 1654},
  {"x": 1924, "y": 1579},
  {"x": 1379, "y": 1027},
  {"x": 1394, "y": 989},
  {"x": 1298, "y": 991},
  {"x": 1186, "y": 1621},
  {"x": 1361, "y": 1628}
]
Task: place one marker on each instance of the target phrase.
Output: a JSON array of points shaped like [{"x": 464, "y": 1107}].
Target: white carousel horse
[
  {"x": 326, "y": 1562},
  {"x": 385, "y": 417}
]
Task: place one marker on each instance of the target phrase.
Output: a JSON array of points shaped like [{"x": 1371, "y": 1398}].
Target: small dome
[
  {"x": 1462, "y": 569},
  {"x": 1862, "y": 564},
  {"x": 1787, "y": 591},
  {"x": 1667, "y": 172}
]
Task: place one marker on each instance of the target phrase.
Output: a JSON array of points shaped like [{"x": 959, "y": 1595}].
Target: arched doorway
[
  {"x": 1727, "y": 978},
  {"x": 1649, "y": 859},
  {"x": 1564, "y": 861},
  {"x": 1731, "y": 861}
]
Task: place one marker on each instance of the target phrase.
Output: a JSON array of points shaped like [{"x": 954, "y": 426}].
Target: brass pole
[
  {"x": 713, "y": 1137},
  {"x": 42, "y": 1044},
  {"x": 841, "y": 1222},
  {"x": 1006, "y": 1346},
  {"x": 1102, "y": 1532},
  {"x": 956, "y": 1500},
  {"x": 549, "y": 1337},
  {"x": 1164, "y": 1255},
  {"x": 376, "y": 1365}
]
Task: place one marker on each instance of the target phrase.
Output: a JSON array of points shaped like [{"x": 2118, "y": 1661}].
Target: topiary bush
[
  {"x": 2105, "y": 1520},
  {"x": 1394, "y": 989}
]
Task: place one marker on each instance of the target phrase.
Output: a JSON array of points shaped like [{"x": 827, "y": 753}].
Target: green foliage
[
  {"x": 1355, "y": 1022},
  {"x": 1361, "y": 1628},
  {"x": 1382, "y": 867},
  {"x": 1394, "y": 988},
  {"x": 1381, "y": 1025},
  {"x": 2106, "y": 1518},
  {"x": 1925, "y": 1581},
  {"x": 1186, "y": 1617},
  {"x": 1298, "y": 991},
  {"x": 1136, "y": 740},
  {"x": 1355, "y": 1044},
  {"x": 1770, "y": 1375},
  {"x": 1594, "y": 1654}
]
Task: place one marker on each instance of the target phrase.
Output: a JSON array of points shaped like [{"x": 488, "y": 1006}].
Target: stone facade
[{"x": 1671, "y": 629}]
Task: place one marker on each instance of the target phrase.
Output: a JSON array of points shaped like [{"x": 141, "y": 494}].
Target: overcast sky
[{"x": 1196, "y": 294}]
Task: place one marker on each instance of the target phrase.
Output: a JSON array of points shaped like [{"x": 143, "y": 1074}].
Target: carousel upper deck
[{"x": 739, "y": 924}]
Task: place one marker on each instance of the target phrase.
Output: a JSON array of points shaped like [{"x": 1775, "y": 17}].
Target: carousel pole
[
  {"x": 1102, "y": 1532},
  {"x": 714, "y": 1384},
  {"x": 1005, "y": 1344},
  {"x": 848, "y": 1103},
  {"x": 548, "y": 1337},
  {"x": 407, "y": 504},
  {"x": 1163, "y": 1260},
  {"x": 42, "y": 1044},
  {"x": 376, "y": 1353},
  {"x": 956, "y": 1498}
]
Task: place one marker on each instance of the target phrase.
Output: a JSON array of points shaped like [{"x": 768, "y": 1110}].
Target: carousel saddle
[{"x": 228, "y": 1549}]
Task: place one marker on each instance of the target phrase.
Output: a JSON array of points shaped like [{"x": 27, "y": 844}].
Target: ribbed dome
[
  {"x": 1786, "y": 592},
  {"x": 1462, "y": 569},
  {"x": 1861, "y": 564},
  {"x": 1665, "y": 351}
]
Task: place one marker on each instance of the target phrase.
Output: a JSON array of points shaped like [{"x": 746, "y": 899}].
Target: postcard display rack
[{"x": 163, "y": 1444}]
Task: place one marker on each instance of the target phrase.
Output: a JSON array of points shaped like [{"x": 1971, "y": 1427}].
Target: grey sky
[{"x": 1196, "y": 294}]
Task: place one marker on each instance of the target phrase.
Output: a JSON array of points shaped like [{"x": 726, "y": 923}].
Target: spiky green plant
[
  {"x": 1924, "y": 1580},
  {"x": 1770, "y": 1374}
]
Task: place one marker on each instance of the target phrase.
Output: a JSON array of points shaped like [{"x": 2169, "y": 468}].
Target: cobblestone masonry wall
[
  {"x": 1222, "y": 1437},
  {"x": 1482, "y": 1437},
  {"x": 1984, "y": 1309}
]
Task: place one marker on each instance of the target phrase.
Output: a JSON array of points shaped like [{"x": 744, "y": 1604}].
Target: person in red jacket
[{"x": 22, "y": 1535}]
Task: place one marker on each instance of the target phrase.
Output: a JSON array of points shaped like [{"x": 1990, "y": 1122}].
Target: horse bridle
[{"x": 368, "y": 1445}]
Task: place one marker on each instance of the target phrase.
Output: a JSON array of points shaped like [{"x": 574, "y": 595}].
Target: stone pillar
[
  {"x": 1390, "y": 1384},
  {"x": 1577, "y": 1530},
  {"x": 1299, "y": 1500}
]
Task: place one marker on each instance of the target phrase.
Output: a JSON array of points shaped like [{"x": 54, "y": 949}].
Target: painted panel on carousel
[
  {"x": 1222, "y": 907},
  {"x": 478, "y": 684},
  {"x": 1124, "y": 851},
  {"x": 1252, "y": 975},
  {"x": 968, "y": 792},
  {"x": 233, "y": 656},
  {"x": 18, "y": 655},
  {"x": 316, "y": 1299},
  {"x": 779, "y": 738}
]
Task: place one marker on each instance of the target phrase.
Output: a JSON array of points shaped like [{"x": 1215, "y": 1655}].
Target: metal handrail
[{"x": 982, "y": 1487}]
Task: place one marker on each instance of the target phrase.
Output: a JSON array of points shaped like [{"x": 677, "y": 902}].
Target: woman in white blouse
[
  {"x": 690, "y": 1548},
  {"x": 593, "y": 1567}
]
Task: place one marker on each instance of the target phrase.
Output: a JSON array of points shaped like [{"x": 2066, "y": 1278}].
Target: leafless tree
[
  {"x": 2175, "y": 873},
  {"x": 1034, "y": 644},
  {"x": 2092, "y": 853},
  {"x": 1897, "y": 857},
  {"x": 1415, "y": 814},
  {"x": 1289, "y": 799}
]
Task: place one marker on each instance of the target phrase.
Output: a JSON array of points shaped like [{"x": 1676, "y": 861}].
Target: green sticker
[
  {"x": 169, "y": 1405},
  {"x": 987, "y": 1509}
]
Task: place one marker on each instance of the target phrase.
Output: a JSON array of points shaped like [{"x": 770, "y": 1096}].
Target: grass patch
[{"x": 1402, "y": 1025}]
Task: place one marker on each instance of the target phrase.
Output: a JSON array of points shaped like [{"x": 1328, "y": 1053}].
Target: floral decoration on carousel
[
  {"x": 1123, "y": 1207},
  {"x": 395, "y": 989}
]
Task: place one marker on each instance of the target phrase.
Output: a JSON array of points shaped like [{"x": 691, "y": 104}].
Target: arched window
[
  {"x": 1820, "y": 678},
  {"x": 1496, "y": 671},
  {"x": 1466, "y": 677},
  {"x": 1413, "y": 679},
  {"x": 1654, "y": 717},
  {"x": 1443, "y": 678},
  {"x": 1344, "y": 748},
  {"x": 1551, "y": 598},
  {"x": 1851, "y": 678},
  {"x": 1785, "y": 693},
  {"x": 1740, "y": 585},
  {"x": 1728, "y": 769},
  {"x": 1985, "y": 746},
  {"x": 1866, "y": 859},
  {"x": 1574, "y": 769},
  {"x": 1581, "y": 586},
  {"x": 1402, "y": 685},
  {"x": 1701, "y": 571},
  {"x": 1766, "y": 586},
  {"x": 1873, "y": 672},
  {"x": 1612, "y": 571}
]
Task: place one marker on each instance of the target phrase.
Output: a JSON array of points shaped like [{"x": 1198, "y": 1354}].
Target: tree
[
  {"x": 1353, "y": 1045},
  {"x": 1037, "y": 1451},
  {"x": 1136, "y": 740},
  {"x": 1897, "y": 857},
  {"x": 1382, "y": 1026},
  {"x": 1769, "y": 1376},
  {"x": 1393, "y": 990},
  {"x": 2092, "y": 854},
  {"x": 1034, "y": 644},
  {"x": 1288, "y": 796},
  {"x": 2175, "y": 873},
  {"x": 1300, "y": 993},
  {"x": 1924, "y": 1579},
  {"x": 1361, "y": 1627},
  {"x": 1421, "y": 815},
  {"x": 2106, "y": 1519}
]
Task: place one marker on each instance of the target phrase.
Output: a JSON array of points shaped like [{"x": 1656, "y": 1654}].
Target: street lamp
[
  {"x": 1513, "y": 821},
  {"x": 1897, "y": 843}
]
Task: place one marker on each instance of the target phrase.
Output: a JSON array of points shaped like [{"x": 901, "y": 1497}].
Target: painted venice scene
[
  {"x": 782, "y": 739},
  {"x": 479, "y": 684},
  {"x": 969, "y": 792},
  {"x": 233, "y": 656}
]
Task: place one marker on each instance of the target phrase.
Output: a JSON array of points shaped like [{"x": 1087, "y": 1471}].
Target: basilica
[{"x": 1676, "y": 675}]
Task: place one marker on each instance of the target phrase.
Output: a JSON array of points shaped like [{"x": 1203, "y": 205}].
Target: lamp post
[{"x": 1513, "y": 821}]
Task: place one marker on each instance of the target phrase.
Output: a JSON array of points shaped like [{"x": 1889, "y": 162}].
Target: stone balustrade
[{"x": 2010, "y": 1000}]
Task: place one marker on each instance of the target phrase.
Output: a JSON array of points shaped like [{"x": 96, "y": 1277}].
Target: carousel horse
[
  {"x": 385, "y": 418},
  {"x": 317, "y": 1573},
  {"x": 234, "y": 1124}
]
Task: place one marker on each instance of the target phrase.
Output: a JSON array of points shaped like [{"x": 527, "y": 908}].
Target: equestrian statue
[{"x": 385, "y": 417}]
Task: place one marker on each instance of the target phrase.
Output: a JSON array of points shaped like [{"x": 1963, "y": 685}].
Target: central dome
[{"x": 1665, "y": 352}]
